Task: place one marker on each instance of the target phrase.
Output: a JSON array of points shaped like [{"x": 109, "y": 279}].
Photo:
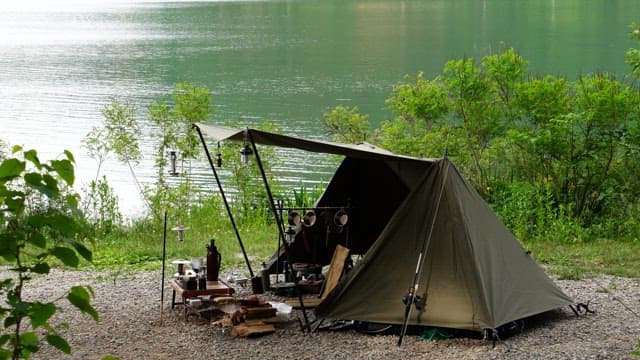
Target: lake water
[{"x": 281, "y": 61}]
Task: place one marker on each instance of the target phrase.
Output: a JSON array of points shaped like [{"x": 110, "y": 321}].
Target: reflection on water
[{"x": 285, "y": 62}]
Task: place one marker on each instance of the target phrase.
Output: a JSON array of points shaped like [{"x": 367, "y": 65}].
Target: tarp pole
[
  {"x": 280, "y": 226},
  {"x": 164, "y": 256},
  {"x": 413, "y": 290},
  {"x": 224, "y": 199}
]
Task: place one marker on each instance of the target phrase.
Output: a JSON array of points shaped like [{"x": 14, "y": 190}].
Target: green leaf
[
  {"x": 37, "y": 239},
  {"x": 80, "y": 298},
  {"x": 66, "y": 255},
  {"x": 62, "y": 223},
  {"x": 59, "y": 343},
  {"x": 80, "y": 248},
  {"x": 4, "y": 339},
  {"x": 29, "y": 342},
  {"x": 38, "y": 182},
  {"x": 110, "y": 357},
  {"x": 11, "y": 169},
  {"x": 40, "y": 268},
  {"x": 9, "y": 321},
  {"x": 32, "y": 156},
  {"x": 6, "y": 284},
  {"x": 69, "y": 156},
  {"x": 5, "y": 354},
  {"x": 15, "y": 204},
  {"x": 40, "y": 313},
  {"x": 72, "y": 200},
  {"x": 64, "y": 168}
]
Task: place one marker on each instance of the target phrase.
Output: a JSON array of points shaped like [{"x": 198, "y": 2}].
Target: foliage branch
[{"x": 35, "y": 234}]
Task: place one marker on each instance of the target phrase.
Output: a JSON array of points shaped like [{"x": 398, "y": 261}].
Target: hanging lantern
[
  {"x": 180, "y": 230},
  {"x": 173, "y": 159},
  {"x": 290, "y": 234},
  {"x": 245, "y": 151},
  {"x": 245, "y": 154},
  {"x": 218, "y": 157}
]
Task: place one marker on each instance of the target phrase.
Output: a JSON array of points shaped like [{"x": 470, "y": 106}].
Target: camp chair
[{"x": 333, "y": 275}]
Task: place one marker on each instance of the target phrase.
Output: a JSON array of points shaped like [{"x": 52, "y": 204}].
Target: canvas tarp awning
[{"x": 359, "y": 151}]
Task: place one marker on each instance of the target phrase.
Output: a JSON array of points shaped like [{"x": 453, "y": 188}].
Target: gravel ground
[{"x": 130, "y": 328}]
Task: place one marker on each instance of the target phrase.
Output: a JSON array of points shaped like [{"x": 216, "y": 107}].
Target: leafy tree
[
  {"x": 347, "y": 124},
  {"x": 633, "y": 55},
  {"x": 420, "y": 109},
  {"x": 30, "y": 239},
  {"x": 576, "y": 142},
  {"x": 100, "y": 204},
  {"x": 191, "y": 104}
]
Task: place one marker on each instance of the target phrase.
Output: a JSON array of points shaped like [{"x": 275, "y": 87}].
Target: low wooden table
[{"x": 214, "y": 289}]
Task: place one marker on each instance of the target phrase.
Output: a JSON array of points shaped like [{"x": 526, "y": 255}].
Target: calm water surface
[{"x": 281, "y": 61}]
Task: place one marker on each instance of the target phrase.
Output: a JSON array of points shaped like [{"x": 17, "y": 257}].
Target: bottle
[
  {"x": 264, "y": 273},
  {"x": 214, "y": 259},
  {"x": 287, "y": 276}
]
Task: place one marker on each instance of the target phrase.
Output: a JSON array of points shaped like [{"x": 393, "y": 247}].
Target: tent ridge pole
[{"x": 224, "y": 198}]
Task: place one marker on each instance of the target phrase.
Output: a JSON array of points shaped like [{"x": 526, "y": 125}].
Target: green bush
[{"x": 39, "y": 227}]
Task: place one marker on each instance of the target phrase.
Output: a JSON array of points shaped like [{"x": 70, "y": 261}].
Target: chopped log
[
  {"x": 259, "y": 312},
  {"x": 224, "y": 322},
  {"x": 253, "y": 329},
  {"x": 237, "y": 317},
  {"x": 251, "y": 300},
  {"x": 224, "y": 300},
  {"x": 308, "y": 302}
]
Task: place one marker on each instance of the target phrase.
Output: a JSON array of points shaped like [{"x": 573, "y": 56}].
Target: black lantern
[
  {"x": 173, "y": 159},
  {"x": 245, "y": 151},
  {"x": 290, "y": 234},
  {"x": 245, "y": 154},
  {"x": 218, "y": 157}
]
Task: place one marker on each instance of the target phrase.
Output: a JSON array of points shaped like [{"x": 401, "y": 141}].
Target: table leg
[{"x": 173, "y": 299}]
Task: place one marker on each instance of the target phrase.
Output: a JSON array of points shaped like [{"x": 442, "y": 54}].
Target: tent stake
[
  {"x": 280, "y": 227},
  {"x": 224, "y": 199},
  {"x": 425, "y": 246}
]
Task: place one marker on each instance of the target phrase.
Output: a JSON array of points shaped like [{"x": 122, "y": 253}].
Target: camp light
[
  {"x": 309, "y": 218},
  {"x": 218, "y": 157},
  {"x": 180, "y": 230},
  {"x": 245, "y": 151},
  {"x": 340, "y": 218},
  {"x": 173, "y": 158},
  {"x": 290, "y": 234}
]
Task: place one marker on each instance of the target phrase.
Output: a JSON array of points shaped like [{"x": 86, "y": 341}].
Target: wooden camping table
[{"x": 214, "y": 289}]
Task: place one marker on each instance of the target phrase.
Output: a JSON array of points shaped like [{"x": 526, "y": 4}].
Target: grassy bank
[
  {"x": 575, "y": 261},
  {"x": 141, "y": 247}
]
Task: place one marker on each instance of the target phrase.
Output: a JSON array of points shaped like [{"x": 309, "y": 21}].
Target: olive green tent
[{"x": 475, "y": 275}]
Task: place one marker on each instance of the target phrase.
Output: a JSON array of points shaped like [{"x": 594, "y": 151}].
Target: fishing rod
[{"x": 411, "y": 296}]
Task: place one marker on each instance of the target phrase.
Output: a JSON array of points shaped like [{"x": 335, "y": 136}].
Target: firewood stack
[{"x": 249, "y": 319}]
